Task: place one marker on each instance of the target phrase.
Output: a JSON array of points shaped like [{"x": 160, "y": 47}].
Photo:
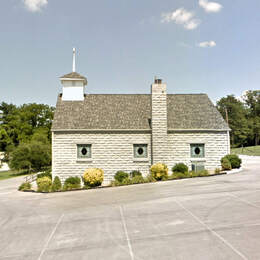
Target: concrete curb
[{"x": 235, "y": 171}]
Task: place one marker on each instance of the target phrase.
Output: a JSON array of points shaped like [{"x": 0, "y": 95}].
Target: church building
[{"x": 133, "y": 131}]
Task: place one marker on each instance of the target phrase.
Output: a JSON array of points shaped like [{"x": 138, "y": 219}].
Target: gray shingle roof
[
  {"x": 74, "y": 75},
  {"x": 133, "y": 111}
]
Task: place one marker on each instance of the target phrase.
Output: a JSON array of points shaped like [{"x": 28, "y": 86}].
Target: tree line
[
  {"x": 25, "y": 135},
  {"x": 25, "y": 131},
  {"x": 243, "y": 117}
]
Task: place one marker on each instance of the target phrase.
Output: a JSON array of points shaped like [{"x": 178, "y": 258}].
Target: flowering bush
[
  {"x": 159, "y": 171},
  {"x": 44, "y": 184},
  {"x": 93, "y": 177}
]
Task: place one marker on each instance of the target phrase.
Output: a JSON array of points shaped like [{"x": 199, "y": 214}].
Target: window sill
[
  {"x": 198, "y": 159},
  {"x": 140, "y": 160},
  {"x": 85, "y": 160}
]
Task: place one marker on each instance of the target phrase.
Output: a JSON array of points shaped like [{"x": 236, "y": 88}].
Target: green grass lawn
[
  {"x": 250, "y": 150},
  {"x": 11, "y": 174}
]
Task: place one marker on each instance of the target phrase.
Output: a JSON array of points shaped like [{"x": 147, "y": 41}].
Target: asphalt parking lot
[{"x": 203, "y": 218}]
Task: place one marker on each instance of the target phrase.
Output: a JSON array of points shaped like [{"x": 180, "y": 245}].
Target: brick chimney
[{"x": 159, "y": 122}]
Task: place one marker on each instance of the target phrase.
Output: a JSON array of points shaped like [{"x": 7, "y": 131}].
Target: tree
[
  {"x": 5, "y": 140},
  {"x": 237, "y": 119},
  {"x": 40, "y": 155},
  {"x": 252, "y": 100},
  {"x": 31, "y": 156},
  {"x": 20, "y": 158},
  {"x": 19, "y": 124},
  {"x": 34, "y": 155}
]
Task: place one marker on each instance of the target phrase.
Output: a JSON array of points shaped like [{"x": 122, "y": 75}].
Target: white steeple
[{"x": 73, "y": 83}]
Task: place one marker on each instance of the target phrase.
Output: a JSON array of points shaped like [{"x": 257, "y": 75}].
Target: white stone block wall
[
  {"x": 216, "y": 146},
  {"x": 114, "y": 151},
  {"x": 110, "y": 152}
]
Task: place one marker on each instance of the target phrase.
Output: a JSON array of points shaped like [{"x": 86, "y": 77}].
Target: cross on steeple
[{"x": 74, "y": 61}]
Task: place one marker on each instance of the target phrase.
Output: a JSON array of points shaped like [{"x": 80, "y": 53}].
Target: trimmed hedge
[
  {"x": 225, "y": 164},
  {"x": 120, "y": 176},
  {"x": 56, "y": 185},
  {"x": 72, "y": 183},
  {"x": 135, "y": 173},
  {"x": 235, "y": 161},
  {"x": 180, "y": 167}
]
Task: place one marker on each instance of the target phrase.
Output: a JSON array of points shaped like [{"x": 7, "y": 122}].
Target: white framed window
[
  {"x": 140, "y": 151},
  {"x": 197, "y": 150},
  {"x": 84, "y": 151}
]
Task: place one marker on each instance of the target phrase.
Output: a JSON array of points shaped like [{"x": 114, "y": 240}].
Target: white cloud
[
  {"x": 193, "y": 24},
  {"x": 210, "y": 7},
  {"x": 35, "y": 5},
  {"x": 208, "y": 44},
  {"x": 183, "y": 17}
]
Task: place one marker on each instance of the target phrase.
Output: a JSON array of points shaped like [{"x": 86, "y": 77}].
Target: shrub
[
  {"x": 44, "y": 184},
  {"x": 135, "y": 173},
  {"x": 225, "y": 163},
  {"x": 72, "y": 183},
  {"x": 25, "y": 186},
  {"x": 202, "y": 173},
  {"x": 120, "y": 176},
  {"x": 159, "y": 171},
  {"x": 137, "y": 179},
  {"x": 126, "y": 181},
  {"x": 194, "y": 174},
  {"x": 115, "y": 183},
  {"x": 45, "y": 174},
  {"x": 180, "y": 167},
  {"x": 56, "y": 185},
  {"x": 180, "y": 175},
  {"x": 93, "y": 177},
  {"x": 217, "y": 171},
  {"x": 234, "y": 160},
  {"x": 149, "y": 178}
]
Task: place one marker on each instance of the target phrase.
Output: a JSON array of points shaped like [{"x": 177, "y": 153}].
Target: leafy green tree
[
  {"x": 31, "y": 156},
  {"x": 21, "y": 158},
  {"x": 40, "y": 155},
  {"x": 237, "y": 119},
  {"x": 252, "y": 99},
  {"x": 22, "y": 124},
  {"x": 5, "y": 140}
]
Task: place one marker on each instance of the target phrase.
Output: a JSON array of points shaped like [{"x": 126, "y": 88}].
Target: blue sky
[{"x": 194, "y": 46}]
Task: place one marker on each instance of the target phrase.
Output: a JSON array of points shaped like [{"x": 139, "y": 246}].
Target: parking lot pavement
[{"x": 203, "y": 218}]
